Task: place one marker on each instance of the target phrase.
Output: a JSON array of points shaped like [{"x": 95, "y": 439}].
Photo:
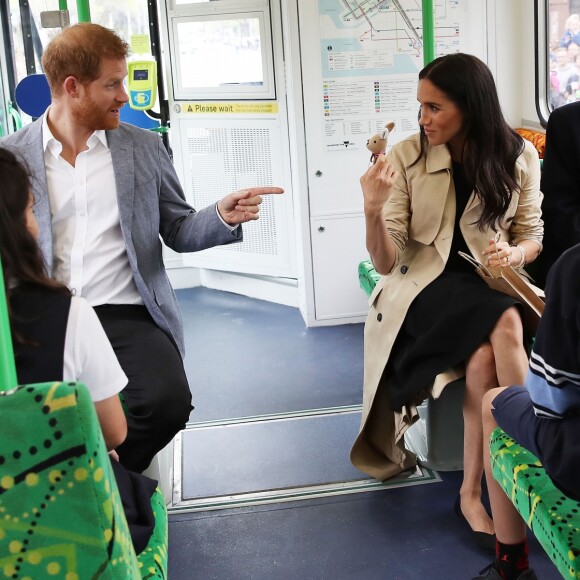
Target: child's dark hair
[{"x": 22, "y": 260}]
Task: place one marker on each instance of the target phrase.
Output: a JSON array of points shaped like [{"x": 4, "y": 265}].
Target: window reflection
[
  {"x": 218, "y": 53},
  {"x": 564, "y": 52},
  {"x": 126, "y": 18}
]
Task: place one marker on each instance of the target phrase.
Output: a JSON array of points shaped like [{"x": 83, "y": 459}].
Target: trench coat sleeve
[
  {"x": 527, "y": 223},
  {"x": 397, "y": 209}
]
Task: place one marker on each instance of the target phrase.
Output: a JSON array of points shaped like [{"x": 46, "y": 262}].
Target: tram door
[{"x": 229, "y": 123}]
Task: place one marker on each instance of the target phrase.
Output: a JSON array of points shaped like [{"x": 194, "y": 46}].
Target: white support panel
[
  {"x": 297, "y": 155},
  {"x": 269, "y": 288},
  {"x": 219, "y": 156},
  {"x": 161, "y": 469},
  {"x": 338, "y": 246},
  {"x": 503, "y": 38},
  {"x": 361, "y": 73},
  {"x": 477, "y": 30}
]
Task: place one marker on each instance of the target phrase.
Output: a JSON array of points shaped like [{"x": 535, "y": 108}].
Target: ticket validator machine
[{"x": 142, "y": 84}]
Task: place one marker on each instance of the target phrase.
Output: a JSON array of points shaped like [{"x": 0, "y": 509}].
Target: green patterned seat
[
  {"x": 60, "y": 511},
  {"x": 553, "y": 518},
  {"x": 367, "y": 276}
]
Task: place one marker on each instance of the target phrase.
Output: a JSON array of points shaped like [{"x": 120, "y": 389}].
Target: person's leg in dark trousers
[{"x": 157, "y": 398}]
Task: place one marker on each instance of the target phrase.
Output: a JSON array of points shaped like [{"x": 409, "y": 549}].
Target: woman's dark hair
[
  {"x": 491, "y": 146},
  {"x": 22, "y": 260}
]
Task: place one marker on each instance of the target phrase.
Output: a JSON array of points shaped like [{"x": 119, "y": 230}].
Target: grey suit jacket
[{"x": 151, "y": 203}]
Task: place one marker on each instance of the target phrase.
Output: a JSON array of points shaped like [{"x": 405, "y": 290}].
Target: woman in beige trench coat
[{"x": 415, "y": 223}]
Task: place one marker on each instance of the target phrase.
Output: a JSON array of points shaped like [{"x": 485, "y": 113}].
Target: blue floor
[
  {"x": 247, "y": 357},
  {"x": 400, "y": 534},
  {"x": 269, "y": 455}
]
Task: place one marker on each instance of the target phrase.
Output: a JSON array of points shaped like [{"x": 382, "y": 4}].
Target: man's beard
[{"x": 88, "y": 115}]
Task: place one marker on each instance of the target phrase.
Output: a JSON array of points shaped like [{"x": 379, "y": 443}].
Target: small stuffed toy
[{"x": 377, "y": 144}]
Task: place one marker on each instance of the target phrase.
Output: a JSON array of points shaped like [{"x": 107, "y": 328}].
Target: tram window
[
  {"x": 216, "y": 53},
  {"x": 223, "y": 56},
  {"x": 563, "y": 67},
  {"x": 27, "y": 22},
  {"x": 126, "y": 18}
]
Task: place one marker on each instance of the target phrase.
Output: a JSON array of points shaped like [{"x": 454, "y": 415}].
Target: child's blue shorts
[{"x": 555, "y": 442}]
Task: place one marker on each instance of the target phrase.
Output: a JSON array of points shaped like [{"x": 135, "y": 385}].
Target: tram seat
[
  {"x": 437, "y": 437},
  {"x": 60, "y": 511},
  {"x": 552, "y": 517},
  {"x": 536, "y": 138}
]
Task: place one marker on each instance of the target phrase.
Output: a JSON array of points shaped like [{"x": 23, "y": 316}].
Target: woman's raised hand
[
  {"x": 498, "y": 254},
  {"x": 377, "y": 184}
]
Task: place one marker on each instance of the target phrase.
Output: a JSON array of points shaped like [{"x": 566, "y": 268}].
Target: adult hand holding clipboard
[{"x": 499, "y": 275}]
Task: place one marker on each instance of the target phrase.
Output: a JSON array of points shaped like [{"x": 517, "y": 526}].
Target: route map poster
[{"x": 372, "y": 52}]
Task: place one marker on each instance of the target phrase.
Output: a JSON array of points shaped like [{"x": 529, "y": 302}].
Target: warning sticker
[{"x": 222, "y": 107}]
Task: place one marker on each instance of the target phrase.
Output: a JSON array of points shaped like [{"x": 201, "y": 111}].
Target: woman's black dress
[{"x": 449, "y": 319}]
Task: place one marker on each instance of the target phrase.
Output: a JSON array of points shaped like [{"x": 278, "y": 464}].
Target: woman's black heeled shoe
[{"x": 484, "y": 541}]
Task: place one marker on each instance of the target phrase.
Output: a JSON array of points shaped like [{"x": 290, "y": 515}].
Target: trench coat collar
[
  {"x": 439, "y": 159},
  {"x": 427, "y": 221},
  {"x": 439, "y": 211}
]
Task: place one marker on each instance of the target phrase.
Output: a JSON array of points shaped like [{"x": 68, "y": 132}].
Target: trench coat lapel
[
  {"x": 472, "y": 210},
  {"x": 439, "y": 169},
  {"x": 429, "y": 211}
]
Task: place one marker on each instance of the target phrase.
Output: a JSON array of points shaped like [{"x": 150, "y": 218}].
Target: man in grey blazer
[{"x": 104, "y": 194}]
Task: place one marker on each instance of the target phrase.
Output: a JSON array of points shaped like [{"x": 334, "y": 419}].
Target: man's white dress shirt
[{"x": 88, "y": 247}]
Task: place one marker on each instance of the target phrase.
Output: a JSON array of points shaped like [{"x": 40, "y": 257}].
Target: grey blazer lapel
[
  {"x": 124, "y": 169},
  {"x": 34, "y": 160}
]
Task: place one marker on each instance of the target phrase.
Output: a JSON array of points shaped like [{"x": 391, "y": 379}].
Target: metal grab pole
[
  {"x": 155, "y": 44},
  {"x": 83, "y": 10},
  {"x": 8, "y": 378},
  {"x": 428, "y": 32}
]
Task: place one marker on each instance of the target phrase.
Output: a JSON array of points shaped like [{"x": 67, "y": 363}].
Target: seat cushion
[
  {"x": 153, "y": 559},
  {"x": 368, "y": 276},
  {"x": 553, "y": 518},
  {"x": 60, "y": 511},
  {"x": 536, "y": 138}
]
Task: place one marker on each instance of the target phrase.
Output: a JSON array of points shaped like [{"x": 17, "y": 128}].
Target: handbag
[{"x": 506, "y": 280}]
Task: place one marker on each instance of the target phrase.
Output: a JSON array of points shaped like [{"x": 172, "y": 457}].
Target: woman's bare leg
[
  {"x": 507, "y": 341},
  {"x": 480, "y": 377},
  {"x": 502, "y": 361}
]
